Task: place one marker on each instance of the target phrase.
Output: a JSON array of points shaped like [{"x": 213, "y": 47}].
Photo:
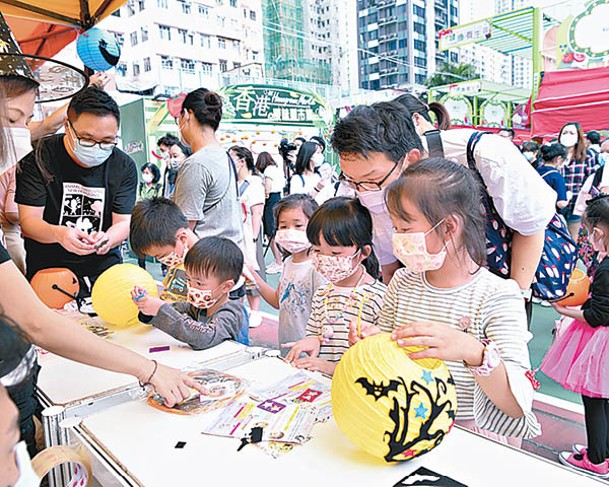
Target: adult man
[
  {"x": 506, "y": 134},
  {"x": 75, "y": 192},
  {"x": 377, "y": 142}
]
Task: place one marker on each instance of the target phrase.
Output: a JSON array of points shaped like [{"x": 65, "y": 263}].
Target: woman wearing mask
[
  {"x": 580, "y": 164},
  {"x": 177, "y": 154},
  {"x": 149, "y": 188},
  {"x": 530, "y": 151},
  {"x": 305, "y": 179}
]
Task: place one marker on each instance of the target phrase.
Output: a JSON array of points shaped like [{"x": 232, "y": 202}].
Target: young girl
[
  {"x": 579, "y": 358},
  {"x": 299, "y": 280},
  {"x": 445, "y": 301},
  {"x": 341, "y": 234}
]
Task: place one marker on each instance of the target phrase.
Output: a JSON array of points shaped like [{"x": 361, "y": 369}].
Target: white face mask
[
  {"x": 318, "y": 159},
  {"x": 568, "y": 140},
  {"x": 147, "y": 178},
  {"x": 22, "y": 145},
  {"x": 529, "y": 156},
  {"x": 293, "y": 241},
  {"x": 373, "y": 200},
  {"x": 411, "y": 250},
  {"x": 174, "y": 163},
  {"x": 27, "y": 475}
]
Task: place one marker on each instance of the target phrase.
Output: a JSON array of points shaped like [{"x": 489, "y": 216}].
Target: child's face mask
[
  {"x": 411, "y": 250},
  {"x": 202, "y": 298},
  {"x": 174, "y": 259},
  {"x": 293, "y": 241},
  {"x": 335, "y": 268}
]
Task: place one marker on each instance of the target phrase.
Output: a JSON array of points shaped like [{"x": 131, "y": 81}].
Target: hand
[
  {"x": 248, "y": 272},
  {"x": 146, "y": 304},
  {"x": 366, "y": 330},
  {"x": 99, "y": 79},
  {"x": 316, "y": 364},
  {"x": 559, "y": 308},
  {"x": 172, "y": 384},
  {"x": 101, "y": 242},
  {"x": 75, "y": 241},
  {"x": 309, "y": 345},
  {"x": 440, "y": 341}
]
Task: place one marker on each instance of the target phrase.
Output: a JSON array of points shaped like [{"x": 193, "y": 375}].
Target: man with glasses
[{"x": 75, "y": 192}]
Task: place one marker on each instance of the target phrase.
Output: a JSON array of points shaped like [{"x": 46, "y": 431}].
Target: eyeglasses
[
  {"x": 84, "y": 142},
  {"x": 367, "y": 185}
]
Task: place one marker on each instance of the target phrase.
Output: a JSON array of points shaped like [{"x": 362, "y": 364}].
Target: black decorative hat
[
  {"x": 57, "y": 80},
  {"x": 17, "y": 356}
]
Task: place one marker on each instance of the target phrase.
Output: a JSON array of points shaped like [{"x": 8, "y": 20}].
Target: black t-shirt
[{"x": 78, "y": 197}]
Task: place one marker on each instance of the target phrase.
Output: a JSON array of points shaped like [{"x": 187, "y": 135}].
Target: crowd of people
[{"x": 395, "y": 241}]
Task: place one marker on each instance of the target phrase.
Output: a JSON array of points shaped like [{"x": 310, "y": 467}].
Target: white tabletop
[
  {"x": 143, "y": 440},
  {"x": 63, "y": 381}
]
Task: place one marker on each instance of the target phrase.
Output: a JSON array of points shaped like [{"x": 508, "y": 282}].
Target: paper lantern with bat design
[
  {"x": 98, "y": 49},
  {"x": 391, "y": 406},
  {"x": 577, "y": 289},
  {"x": 55, "y": 287},
  {"x": 111, "y": 294}
]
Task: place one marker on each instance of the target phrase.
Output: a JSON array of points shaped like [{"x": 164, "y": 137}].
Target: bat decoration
[{"x": 378, "y": 390}]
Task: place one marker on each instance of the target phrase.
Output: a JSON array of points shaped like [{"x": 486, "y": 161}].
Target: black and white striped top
[
  {"x": 493, "y": 308},
  {"x": 338, "y": 308}
]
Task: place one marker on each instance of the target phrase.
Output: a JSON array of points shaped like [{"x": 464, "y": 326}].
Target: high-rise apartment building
[
  {"x": 398, "y": 40},
  {"x": 171, "y": 46}
]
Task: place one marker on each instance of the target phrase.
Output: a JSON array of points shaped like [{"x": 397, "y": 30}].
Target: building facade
[{"x": 398, "y": 41}]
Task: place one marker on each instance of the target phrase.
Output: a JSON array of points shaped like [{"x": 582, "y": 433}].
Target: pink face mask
[
  {"x": 411, "y": 250},
  {"x": 293, "y": 241},
  {"x": 201, "y": 298},
  {"x": 334, "y": 267}
]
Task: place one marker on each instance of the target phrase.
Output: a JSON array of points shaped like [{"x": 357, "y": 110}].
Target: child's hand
[
  {"x": 309, "y": 345},
  {"x": 146, "y": 304},
  {"x": 366, "y": 330},
  {"x": 248, "y": 273},
  {"x": 559, "y": 308},
  {"x": 316, "y": 364},
  {"x": 439, "y": 341}
]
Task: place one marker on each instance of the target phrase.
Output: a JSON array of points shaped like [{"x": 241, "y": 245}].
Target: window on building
[
  {"x": 221, "y": 20},
  {"x": 454, "y": 57},
  {"x": 130, "y": 9},
  {"x": 162, "y": 3},
  {"x": 133, "y": 37},
  {"x": 205, "y": 41},
  {"x": 401, "y": 43},
  {"x": 187, "y": 65},
  {"x": 144, "y": 34},
  {"x": 419, "y": 28},
  {"x": 203, "y": 10},
  {"x": 420, "y": 62},
  {"x": 166, "y": 62},
  {"x": 252, "y": 15},
  {"x": 254, "y": 55},
  {"x": 420, "y": 45},
  {"x": 147, "y": 65},
  {"x": 120, "y": 38},
  {"x": 186, "y": 8},
  {"x": 221, "y": 43},
  {"x": 183, "y": 33},
  {"x": 236, "y": 65},
  {"x": 140, "y": 5},
  {"x": 223, "y": 65},
  {"x": 236, "y": 45},
  {"x": 420, "y": 11},
  {"x": 233, "y": 3},
  {"x": 165, "y": 32},
  {"x": 121, "y": 69},
  {"x": 420, "y": 79},
  {"x": 220, "y": 2},
  {"x": 206, "y": 68},
  {"x": 136, "y": 69}
]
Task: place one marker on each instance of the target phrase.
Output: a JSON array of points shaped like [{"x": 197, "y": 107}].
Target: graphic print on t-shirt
[{"x": 82, "y": 207}]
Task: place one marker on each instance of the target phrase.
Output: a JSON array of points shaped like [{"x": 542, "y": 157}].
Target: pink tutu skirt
[{"x": 579, "y": 360}]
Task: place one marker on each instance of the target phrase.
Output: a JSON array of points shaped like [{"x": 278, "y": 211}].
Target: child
[
  {"x": 445, "y": 300},
  {"x": 213, "y": 265},
  {"x": 553, "y": 158},
  {"x": 341, "y": 234},
  {"x": 578, "y": 359},
  {"x": 299, "y": 280}
]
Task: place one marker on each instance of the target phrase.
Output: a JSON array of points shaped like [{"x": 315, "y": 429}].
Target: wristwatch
[{"x": 490, "y": 360}]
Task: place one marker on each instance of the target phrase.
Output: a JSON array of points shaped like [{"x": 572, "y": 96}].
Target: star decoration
[
  {"x": 421, "y": 411},
  {"x": 427, "y": 376}
]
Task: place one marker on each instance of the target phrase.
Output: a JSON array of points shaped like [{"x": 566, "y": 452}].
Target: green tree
[{"x": 448, "y": 73}]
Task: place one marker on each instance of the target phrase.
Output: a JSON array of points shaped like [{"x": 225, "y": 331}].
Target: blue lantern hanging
[{"x": 98, "y": 49}]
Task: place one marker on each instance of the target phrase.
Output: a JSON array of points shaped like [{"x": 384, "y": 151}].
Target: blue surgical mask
[{"x": 91, "y": 156}]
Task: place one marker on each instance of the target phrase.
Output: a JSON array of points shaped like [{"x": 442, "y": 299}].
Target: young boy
[{"x": 213, "y": 265}]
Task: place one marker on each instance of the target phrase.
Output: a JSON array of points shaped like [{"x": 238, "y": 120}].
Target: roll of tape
[{"x": 52, "y": 457}]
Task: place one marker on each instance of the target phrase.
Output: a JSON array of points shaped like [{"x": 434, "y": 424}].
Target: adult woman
[
  {"x": 251, "y": 194},
  {"x": 177, "y": 154},
  {"x": 149, "y": 188},
  {"x": 305, "y": 180},
  {"x": 274, "y": 181},
  {"x": 580, "y": 165}
]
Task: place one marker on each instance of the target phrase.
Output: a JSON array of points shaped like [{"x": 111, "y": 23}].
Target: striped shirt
[
  {"x": 334, "y": 308},
  {"x": 489, "y": 307}
]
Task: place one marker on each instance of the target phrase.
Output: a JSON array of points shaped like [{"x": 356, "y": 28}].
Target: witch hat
[{"x": 57, "y": 80}]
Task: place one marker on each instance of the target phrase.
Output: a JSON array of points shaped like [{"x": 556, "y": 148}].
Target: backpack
[{"x": 559, "y": 250}]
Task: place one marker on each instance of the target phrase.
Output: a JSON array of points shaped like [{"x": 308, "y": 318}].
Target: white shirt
[
  {"x": 252, "y": 195},
  {"x": 275, "y": 175},
  {"x": 303, "y": 183}
]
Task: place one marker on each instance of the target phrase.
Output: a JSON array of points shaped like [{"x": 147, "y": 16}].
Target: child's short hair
[
  {"x": 155, "y": 222},
  {"x": 215, "y": 256},
  {"x": 440, "y": 188},
  {"x": 303, "y": 201},
  {"x": 344, "y": 222}
]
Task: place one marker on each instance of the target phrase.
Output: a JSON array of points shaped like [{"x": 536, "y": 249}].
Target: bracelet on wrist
[{"x": 144, "y": 384}]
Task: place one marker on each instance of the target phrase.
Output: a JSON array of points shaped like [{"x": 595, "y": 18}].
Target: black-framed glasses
[
  {"x": 367, "y": 185},
  {"x": 84, "y": 142}
]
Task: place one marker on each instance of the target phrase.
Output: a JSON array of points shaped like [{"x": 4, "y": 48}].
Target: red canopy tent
[{"x": 576, "y": 95}]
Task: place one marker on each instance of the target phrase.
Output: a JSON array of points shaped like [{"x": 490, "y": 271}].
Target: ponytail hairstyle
[
  {"x": 344, "y": 222},
  {"x": 439, "y": 188},
  {"x": 597, "y": 214},
  {"x": 206, "y": 106},
  {"x": 245, "y": 153},
  {"x": 414, "y": 105}
]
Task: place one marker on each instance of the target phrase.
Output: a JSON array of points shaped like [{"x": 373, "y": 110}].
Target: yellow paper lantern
[
  {"x": 577, "y": 289},
  {"x": 391, "y": 406},
  {"x": 111, "y": 294}
]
